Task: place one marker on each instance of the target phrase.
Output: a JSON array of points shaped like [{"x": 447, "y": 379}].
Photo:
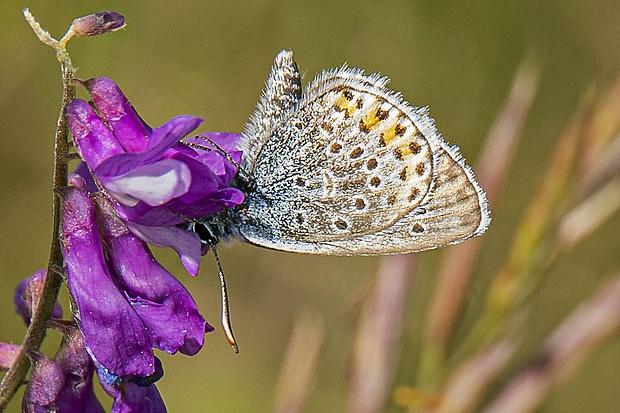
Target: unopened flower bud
[
  {"x": 8, "y": 354},
  {"x": 27, "y": 295},
  {"x": 98, "y": 23},
  {"x": 45, "y": 384}
]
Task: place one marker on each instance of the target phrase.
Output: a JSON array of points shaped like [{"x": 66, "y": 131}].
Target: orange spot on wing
[{"x": 345, "y": 103}]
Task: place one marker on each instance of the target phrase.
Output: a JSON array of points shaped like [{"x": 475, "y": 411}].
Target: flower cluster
[{"x": 136, "y": 185}]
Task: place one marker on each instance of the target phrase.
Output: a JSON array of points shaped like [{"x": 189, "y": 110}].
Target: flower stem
[{"x": 53, "y": 280}]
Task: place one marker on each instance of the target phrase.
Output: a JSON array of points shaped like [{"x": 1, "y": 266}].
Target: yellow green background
[{"x": 211, "y": 58}]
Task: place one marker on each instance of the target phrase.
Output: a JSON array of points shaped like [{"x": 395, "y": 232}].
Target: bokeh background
[{"x": 210, "y": 59}]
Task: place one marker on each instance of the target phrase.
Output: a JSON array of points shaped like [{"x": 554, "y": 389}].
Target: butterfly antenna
[{"x": 225, "y": 311}]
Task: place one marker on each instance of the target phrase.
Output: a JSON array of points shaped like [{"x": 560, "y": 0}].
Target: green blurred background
[{"x": 210, "y": 59}]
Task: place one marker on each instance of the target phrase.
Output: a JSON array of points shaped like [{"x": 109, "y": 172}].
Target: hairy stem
[{"x": 53, "y": 280}]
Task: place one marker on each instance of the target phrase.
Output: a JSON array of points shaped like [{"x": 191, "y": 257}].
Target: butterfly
[{"x": 347, "y": 167}]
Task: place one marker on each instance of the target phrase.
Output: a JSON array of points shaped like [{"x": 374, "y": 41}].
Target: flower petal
[
  {"x": 72, "y": 354},
  {"x": 203, "y": 181},
  {"x": 114, "y": 108},
  {"x": 113, "y": 332},
  {"x": 144, "y": 214},
  {"x": 164, "y": 326},
  {"x": 94, "y": 141},
  {"x": 84, "y": 173},
  {"x": 160, "y": 141},
  {"x": 78, "y": 395},
  {"x": 209, "y": 205},
  {"x": 154, "y": 184},
  {"x": 162, "y": 138},
  {"x": 185, "y": 243},
  {"x": 135, "y": 399},
  {"x": 217, "y": 162},
  {"x": 227, "y": 141}
]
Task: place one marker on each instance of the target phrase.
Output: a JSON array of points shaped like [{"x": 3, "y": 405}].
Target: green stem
[{"x": 53, "y": 280}]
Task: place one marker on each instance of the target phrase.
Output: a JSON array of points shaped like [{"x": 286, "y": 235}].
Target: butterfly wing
[{"x": 349, "y": 168}]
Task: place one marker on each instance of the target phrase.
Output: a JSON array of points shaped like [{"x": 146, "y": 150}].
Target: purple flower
[
  {"x": 137, "y": 184},
  {"x": 166, "y": 308},
  {"x": 27, "y": 295},
  {"x": 127, "y": 302},
  {"x": 114, "y": 333},
  {"x": 132, "y": 177},
  {"x": 156, "y": 181},
  {"x": 65, "y": 384}
]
